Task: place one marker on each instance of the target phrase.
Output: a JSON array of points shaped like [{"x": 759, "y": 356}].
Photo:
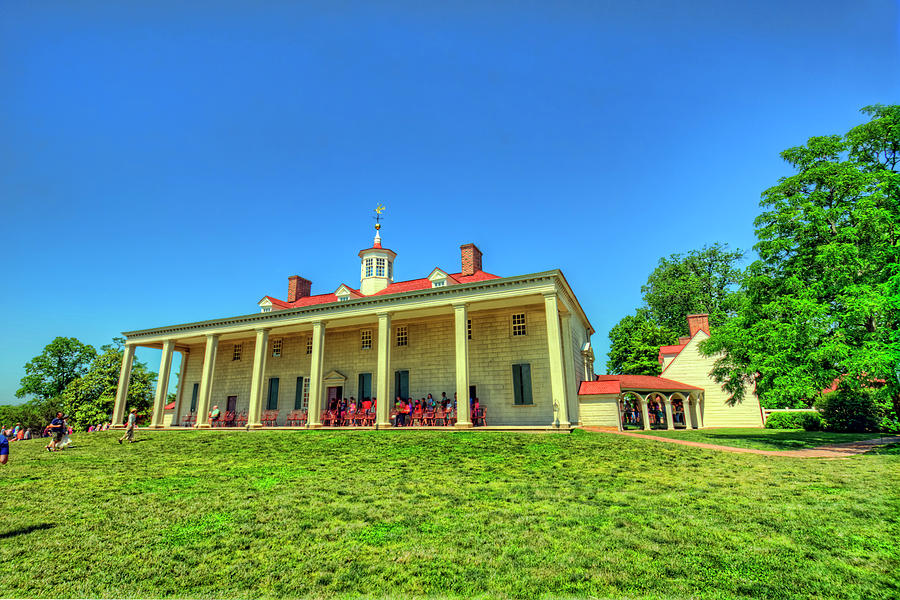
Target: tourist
[
  {"x": 55, "y": 429},
  {"x": 366, "y": 405},
  {"x": 4, "y": 449},
  {"x": 214, "y": 415},
  {"x": 28, "y": 434},
  {"x": 129, "y": 429},
  {"x": 430, "y": 401}
]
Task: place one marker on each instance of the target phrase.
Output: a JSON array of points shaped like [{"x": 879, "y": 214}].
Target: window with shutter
[
  {"x": 522, "y": 384},
  {"x": 272, "y": 403}
]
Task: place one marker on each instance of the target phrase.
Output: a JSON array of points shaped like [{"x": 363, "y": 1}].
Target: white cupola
[{"x": 376, "y": 266}]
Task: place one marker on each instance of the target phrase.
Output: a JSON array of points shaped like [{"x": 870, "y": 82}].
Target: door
[
  {"x": 335, "y": 392},
  {"x": 401, "y": 384},
  {"x": 472, "y": 392},
  {"x": 230, "y": 408}
]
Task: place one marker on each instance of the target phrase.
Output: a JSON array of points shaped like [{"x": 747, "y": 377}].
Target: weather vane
[{"x": 378, "y": 210}]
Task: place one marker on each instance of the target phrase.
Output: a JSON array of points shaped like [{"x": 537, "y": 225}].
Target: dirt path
[{"x": 844, "y": 450}]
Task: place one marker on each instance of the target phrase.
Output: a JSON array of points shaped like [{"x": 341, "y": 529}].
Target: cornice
[{"x": 377, "y": 304}]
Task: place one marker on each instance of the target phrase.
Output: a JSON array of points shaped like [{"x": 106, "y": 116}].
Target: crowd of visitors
[{"x": 656, "y": 413}]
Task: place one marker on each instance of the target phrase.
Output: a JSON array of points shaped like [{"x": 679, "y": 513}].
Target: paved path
[{"x": 845, "y": 450}]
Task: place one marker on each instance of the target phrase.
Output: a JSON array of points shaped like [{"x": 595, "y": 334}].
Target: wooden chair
[
  {"x": 228, "y": 421},
  {"x": 241, "y": 419},
  {"x": 429, "y": 417},
  {"x": 451, "y": 416},
  {"x": 479, "y": 418},
  {"x": 416, "y": 417}
]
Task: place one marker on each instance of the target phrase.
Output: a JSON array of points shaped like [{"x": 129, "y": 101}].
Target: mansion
[{"x": 520, "y": 344}]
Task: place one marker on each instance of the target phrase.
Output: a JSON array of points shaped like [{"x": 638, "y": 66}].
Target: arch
[
  {"x": 678, "y": 416},
  {"x": 656, "y": 410},
  {"x": 631, "y": 407}
]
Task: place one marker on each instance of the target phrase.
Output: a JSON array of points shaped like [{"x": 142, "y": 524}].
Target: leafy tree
[
  {"x": 62, "y": 361},
  {"x": 702, "y": 281},
  {"x": 635, "y": 342},
  {"x": 90, "y": 398},
  {"x": 822, "y": 300}
]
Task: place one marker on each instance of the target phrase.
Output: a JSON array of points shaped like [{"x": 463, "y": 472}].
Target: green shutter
[
  {"x": 401, "y": 384},
  {"x": 272, "y": 404},
  {"x": 194, "y": 395},
  {"x": 298, "y": 395},
  {"x": 526, "y": 384},
  {"x": 364, "y": 387},
  {"x": 522, "y": 384}
]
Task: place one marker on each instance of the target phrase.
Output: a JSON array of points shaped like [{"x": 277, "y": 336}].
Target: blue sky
[{"x": 166, "y": 162}]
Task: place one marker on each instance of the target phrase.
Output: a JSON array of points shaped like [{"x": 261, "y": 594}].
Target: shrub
[
  {"x": 812, "y": 421},
  {"x": 787, "y": 420},
  {"x": 851, "y": 410}
]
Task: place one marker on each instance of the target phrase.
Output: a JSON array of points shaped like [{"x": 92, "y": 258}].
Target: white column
[
  {"x": 206, "y": 380},
  {"x": 179, "y": 393},
  {"x": 317, "y": 366},
  {"x": 383, "y": 383},
  {"x": 162, "y": 384},
  {"x": 461, "y": 337},
  {"x": 122, "y": 391},
  {"x": 619, "y": 407},
  {"x": 688, "y": 420},
  {"x": 700, "y": 411},
  {"x": 569, "y": 360},
  {"x": 670, "y": 424},
  {"x": 555, "y": 351},
  {"x": 645, "y": 410},
  {"x": 258, "y": 381}
]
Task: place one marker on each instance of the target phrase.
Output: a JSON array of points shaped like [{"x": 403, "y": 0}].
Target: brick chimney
[
  {"x": 298, "y": 288},
  {"x": 471, "y": 259},
  {"x": 698, "y": 323}
]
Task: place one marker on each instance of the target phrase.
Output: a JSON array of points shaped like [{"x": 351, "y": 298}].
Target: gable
[{"x": 690, "y": 352}]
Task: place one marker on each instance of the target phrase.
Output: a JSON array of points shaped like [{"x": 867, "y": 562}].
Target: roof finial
[{"x": 378, "y": 210}]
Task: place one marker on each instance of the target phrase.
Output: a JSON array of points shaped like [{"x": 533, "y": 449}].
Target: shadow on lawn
[
  {"x": 788, "y": 440},
  {"x": 26, "y": 530}
]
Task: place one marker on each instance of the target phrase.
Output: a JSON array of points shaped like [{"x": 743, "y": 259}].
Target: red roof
[
  {"x": 834, "y": 384},
  {"x": 169, "y": 406},
  {"x": 599, "y": 387},
  {"x": 676, "y": 350},
  {"x": 639, "y": 382},
  {"x": 394, "y": 288}
]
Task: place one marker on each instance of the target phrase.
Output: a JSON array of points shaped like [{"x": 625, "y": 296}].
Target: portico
[{"x": 503, "y": 338}]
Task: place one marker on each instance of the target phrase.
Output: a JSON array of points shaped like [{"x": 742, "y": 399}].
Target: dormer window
[
  {"x": 439, "y": 278},
  {"x": 379, "y": 267},
  {"x": 266, "y": 309},
  {"x": 343, "y": 298},
  {"x": 369, "y": 266}
]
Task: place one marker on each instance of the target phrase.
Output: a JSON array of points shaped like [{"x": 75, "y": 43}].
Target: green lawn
[
  {"x": 440, "y": 514},
  {"x": 763, "y": 439}
]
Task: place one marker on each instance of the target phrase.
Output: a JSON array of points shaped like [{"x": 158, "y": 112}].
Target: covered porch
[{"x": 639, "y": 402}]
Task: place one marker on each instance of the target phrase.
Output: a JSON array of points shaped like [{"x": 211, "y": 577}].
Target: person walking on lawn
[{"x": 129, "y": 430}]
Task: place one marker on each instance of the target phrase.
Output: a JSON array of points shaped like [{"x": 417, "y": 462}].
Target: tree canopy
[
  {"x": 88, "y": 396},
  {"x": 822, "y": 300},
  {"x": 634, "y": 345},
  {"x": 62, "y": 361},
  {"x": 701, "y": 281}
]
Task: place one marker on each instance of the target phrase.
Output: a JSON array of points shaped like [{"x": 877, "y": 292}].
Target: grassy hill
[{"x": 325, "y": 514}]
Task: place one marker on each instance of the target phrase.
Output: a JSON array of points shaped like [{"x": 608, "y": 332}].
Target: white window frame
[
  {"x": 519, "y": 324},
  {"x": 309, "y": 345},
  {"x": 305, "y": 400},
  {"x": 439, "y": 283},
  {"x": 236, "y": 351},
  {"x": 370, "y": 266},
  {"x": 402, "y": 336},
  {"x": 277, "y": 346},
  {"x": 379, "y": 267},
  {"x": 365, "y": 339},
  {"x": 469, "y": 329},
  {"x": 266, "y": 309}
]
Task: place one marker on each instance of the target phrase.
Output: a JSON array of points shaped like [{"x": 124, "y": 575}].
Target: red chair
[
  {"x": 303, "y": 418},
  {"x": 416, "y": 417},
  {"x": 241, "y": 420},
  {"x": 428, "y": 419},
  {"x": 480, "y": 417},
  {"x": 228, "y": 421},
  {"x": 270, "y": 418},
  {"x": 451, "y": 416}
]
